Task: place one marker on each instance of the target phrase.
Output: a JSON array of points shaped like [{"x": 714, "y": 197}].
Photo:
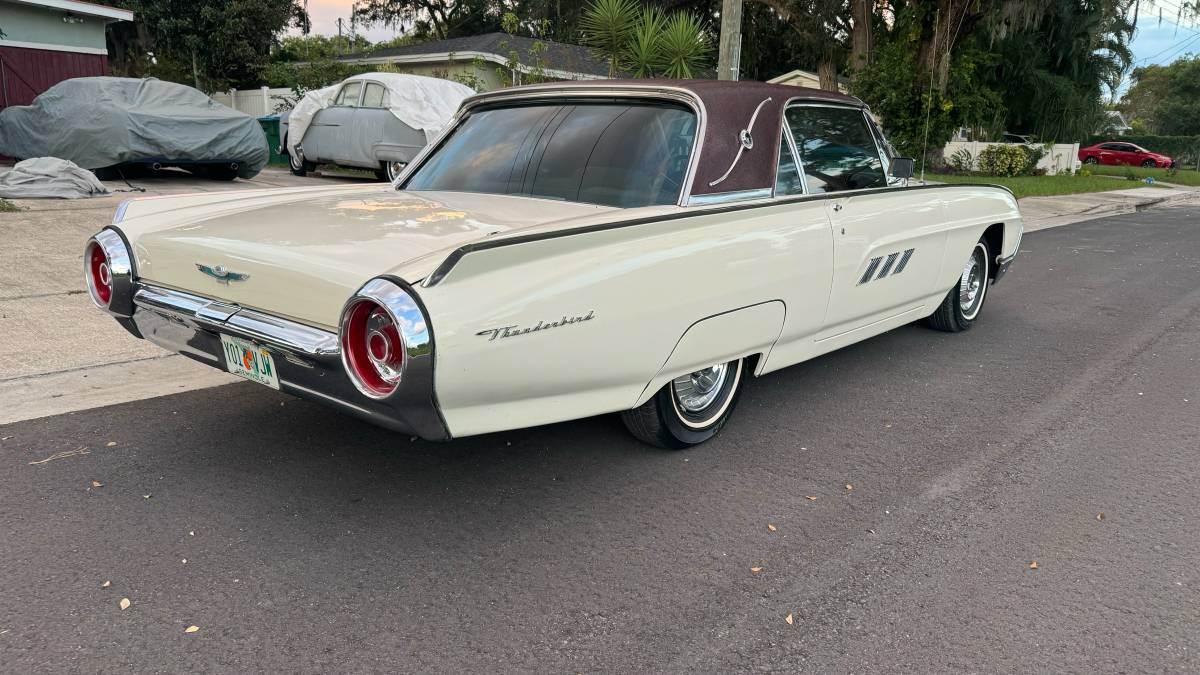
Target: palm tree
[
  {"x": 607, "y": 26},
  {"x": 685, "y": 46}
]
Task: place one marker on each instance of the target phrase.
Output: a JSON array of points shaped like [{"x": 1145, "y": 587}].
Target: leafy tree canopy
[{"x": 1166, "y": 99}]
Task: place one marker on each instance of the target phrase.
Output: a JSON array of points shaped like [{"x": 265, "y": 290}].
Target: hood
[{"x": 300, "y": 255}]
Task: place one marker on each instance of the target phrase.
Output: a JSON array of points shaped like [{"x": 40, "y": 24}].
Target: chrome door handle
[{"x": 837, "y": 207}]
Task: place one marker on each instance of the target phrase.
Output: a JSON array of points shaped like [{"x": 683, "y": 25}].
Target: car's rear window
[{"x": 624, "y": 154}]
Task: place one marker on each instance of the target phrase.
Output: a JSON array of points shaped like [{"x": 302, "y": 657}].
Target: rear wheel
[
  {"x": 1091, "y": 160},
  {"x": 689, "y": 409},
  {"x": 297, "y": 163},
  {"x": 963, "y": 303},
  {"x": 394, "y": 169}
]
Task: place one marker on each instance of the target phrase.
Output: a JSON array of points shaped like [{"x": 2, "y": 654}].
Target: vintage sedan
[{"x": 563, "y": 251}]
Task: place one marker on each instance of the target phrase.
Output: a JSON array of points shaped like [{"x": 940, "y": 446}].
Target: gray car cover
[
  {"x": 99, "y": 122},
  {"x": 49, "y": 177}
]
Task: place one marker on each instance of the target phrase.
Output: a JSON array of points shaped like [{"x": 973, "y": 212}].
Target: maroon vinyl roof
[{"x": 728, "y": 108}]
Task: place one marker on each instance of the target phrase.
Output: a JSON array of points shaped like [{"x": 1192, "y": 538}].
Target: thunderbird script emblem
[{"x": 221, "y": 274}]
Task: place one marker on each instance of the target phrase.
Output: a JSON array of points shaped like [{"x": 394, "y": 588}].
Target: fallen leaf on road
[
  {"x": 191, "y": 629},
  {"x": 146, "y": 496},
  {"x": 106, "y": 584},
  {"x": 97, "y": 483},
  {"x": 771, "y": 527},
  {"x": 811, "y": 498},
  {"x": 1033, "y": 565},
  {"x": 124, "y": 604},
  {"x": 63, "y": 455},
  {"x": 110, "y": 444},
  {"x": 789, "y": 619},
  {"x": 1100, "y": 516},
  {"x": 849, "y": 486},
  {"x": 756, "y": 570},
  {"x": 191, "y": 533}
]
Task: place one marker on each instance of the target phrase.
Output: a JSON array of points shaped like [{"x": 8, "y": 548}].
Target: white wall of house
[{"x": 1062, "y": 157}]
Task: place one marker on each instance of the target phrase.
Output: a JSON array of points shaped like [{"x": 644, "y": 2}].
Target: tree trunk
[
  {"x": 827, "y": 73},
  {"x": 860, "y": 35},
  {"x": 196, "y": 69}
]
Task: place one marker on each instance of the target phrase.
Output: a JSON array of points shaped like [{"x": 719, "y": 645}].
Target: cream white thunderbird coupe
[{"x": 562, "y": 251}]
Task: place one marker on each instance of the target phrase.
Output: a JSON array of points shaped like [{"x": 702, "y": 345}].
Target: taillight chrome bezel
[
  {"x": 119, "y": 268},
  {"x": 384, "y": 378}
]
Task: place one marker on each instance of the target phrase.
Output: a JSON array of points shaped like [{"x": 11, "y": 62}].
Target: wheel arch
[
  {"x": 993, "y": 236},
  {"x": 744, "y": 332}
]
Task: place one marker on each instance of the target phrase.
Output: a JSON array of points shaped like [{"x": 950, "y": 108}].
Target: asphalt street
[{"x": 911, "y": 482}]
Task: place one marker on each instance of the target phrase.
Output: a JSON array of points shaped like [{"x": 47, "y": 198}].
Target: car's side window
[
  {"x": 787, "y": 175},
  {"x": 348, "y": 96},
  {"x": 1110, "y": 146},
  {"x": 837, "y": 151},
  {"x": 373, "y": 97}
]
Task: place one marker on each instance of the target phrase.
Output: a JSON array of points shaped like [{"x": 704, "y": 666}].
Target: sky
[{"x": 1153, "y": 43}]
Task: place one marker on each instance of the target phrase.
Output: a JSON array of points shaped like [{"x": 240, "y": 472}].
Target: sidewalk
[{"x": 1043, "y": 212}]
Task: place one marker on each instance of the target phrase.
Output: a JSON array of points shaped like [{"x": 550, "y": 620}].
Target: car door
[
  {"x": 365, "y": 130},
  {"x": 326, "y": 139},
  {"x": 1110, "y": 153},
  {"x": 887, "y": 243}
]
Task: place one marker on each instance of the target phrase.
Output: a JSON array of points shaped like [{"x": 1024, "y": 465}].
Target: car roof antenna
[{"x": 929, "y": 98}]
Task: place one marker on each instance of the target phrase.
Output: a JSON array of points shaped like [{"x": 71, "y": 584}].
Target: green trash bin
[{"x": 270, "y": 127}]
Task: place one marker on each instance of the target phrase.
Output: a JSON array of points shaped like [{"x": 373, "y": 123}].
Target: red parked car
[{"x": 1115, "y": 152}]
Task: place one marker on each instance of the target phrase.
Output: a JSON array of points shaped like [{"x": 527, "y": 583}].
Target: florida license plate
[{"x": 250, "y": 361}]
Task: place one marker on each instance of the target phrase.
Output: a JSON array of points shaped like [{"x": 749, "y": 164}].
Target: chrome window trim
[
  {"x": 786, "y": 137},
  {"x": 550, "y": 93},
  {"x": 875, "y": 132},
  {"x": 734, "y": 196},
  {"x": 807, "y": 103}
]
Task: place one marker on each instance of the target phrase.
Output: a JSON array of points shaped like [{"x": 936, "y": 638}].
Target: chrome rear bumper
[{"x": 307, "y": 359}]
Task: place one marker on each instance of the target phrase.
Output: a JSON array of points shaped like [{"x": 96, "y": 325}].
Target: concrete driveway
[{"x": 44, "y": 310}]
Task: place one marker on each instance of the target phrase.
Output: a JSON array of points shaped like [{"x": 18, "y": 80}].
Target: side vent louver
[{"x": 890, "y": 266}]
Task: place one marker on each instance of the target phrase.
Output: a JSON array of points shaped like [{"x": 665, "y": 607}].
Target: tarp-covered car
[
  {"x": 376, "y": 121},
  {"x": 103, "y": 122}
]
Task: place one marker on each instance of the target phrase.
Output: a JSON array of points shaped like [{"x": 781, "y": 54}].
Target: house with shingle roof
[{"x": 490, "y": 61}]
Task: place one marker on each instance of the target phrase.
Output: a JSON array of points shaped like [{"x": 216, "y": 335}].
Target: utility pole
[{"x": 730, "y": 47}]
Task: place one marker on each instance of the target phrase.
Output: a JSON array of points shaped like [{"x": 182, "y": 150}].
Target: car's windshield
[{"x": 626, "y": 154}]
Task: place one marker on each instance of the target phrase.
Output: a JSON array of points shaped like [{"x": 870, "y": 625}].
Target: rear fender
[{"x": 718, "y": 339}]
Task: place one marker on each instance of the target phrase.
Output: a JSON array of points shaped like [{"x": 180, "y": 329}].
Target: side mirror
[{"x": 902, "y": 167}]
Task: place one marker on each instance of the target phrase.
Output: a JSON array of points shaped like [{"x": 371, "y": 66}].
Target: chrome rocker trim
[{"x": 307, "y": 359}]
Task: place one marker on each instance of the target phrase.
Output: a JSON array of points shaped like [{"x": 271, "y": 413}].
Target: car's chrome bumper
[
  {"x": 307, "y": 359},
  {"x": 1003, "y": 263}
]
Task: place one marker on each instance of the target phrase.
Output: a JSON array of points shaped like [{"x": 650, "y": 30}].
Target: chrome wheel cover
[
  {"x": 394, "y": 169},
  {"x": 973, "y": 283},
  {"x": 296, "y": 159},
  {"x": 697, "y": 391}
]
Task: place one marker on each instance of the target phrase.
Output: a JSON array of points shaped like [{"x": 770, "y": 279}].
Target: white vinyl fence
[
  {"x": 1062, "y": 157},
  {"x": 256, "y": 102}
]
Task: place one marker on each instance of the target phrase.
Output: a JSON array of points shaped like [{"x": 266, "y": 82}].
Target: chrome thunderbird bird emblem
[{"x": 221, "y": 274}]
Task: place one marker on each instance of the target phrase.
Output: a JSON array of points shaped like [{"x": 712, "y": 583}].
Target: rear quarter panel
[{"x": 642, "y": 286}]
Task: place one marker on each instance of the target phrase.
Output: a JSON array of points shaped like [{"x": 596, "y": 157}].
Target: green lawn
[
  {"x": 7, "y": 206},
  {"x": 1179, "y": 177},
  {"x": 1043, "y": 186}
]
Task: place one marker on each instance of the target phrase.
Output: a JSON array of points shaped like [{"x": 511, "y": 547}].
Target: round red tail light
[
  {"x": 372, "y": 348},
  {"x": 99, "y": 274}
]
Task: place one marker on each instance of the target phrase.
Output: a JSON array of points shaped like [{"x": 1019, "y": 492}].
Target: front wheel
[
  {"x": 1148, "y": 164},
  {"x": 1091, "y": 160},
  {"x": 962, "y": 304},
  {"x": 690, "y": 409}
]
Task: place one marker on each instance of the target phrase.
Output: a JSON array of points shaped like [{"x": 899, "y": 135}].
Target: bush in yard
[
  {"x": 961, "y": 160},
  {"x": 1003, "y": 159},
  {"x": 1033, "y": 155}
]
